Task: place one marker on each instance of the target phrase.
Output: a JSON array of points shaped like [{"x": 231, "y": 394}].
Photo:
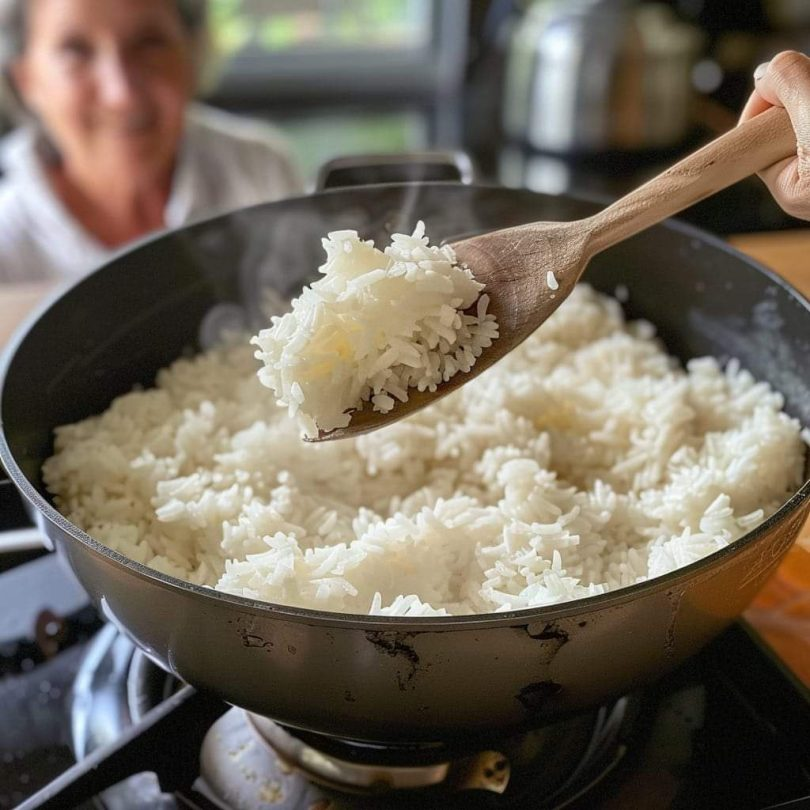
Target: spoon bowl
[{"x": 515, "y": 264}]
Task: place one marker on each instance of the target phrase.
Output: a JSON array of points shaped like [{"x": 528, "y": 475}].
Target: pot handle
[
  {"x": 21, "y": 535},
  {"x": 398, "y": 167}
]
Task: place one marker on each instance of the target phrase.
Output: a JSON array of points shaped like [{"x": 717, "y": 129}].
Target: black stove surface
[{"x": 730, "y": 729}]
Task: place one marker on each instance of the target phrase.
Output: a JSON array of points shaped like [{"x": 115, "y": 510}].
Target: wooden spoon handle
[{"x": 758, "y": 143}]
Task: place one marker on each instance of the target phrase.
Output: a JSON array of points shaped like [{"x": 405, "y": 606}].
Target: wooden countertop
[
  {"x": 783, "y": 251},
  {"x": 16, "y": 301},
  {"x": 782, "y": 610}
]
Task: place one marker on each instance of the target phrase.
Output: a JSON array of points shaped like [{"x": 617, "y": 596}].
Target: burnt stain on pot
[
  {"x": 244, "y": 629},
  {"x": 399, "y": 646},
  {"x": 349, "y": 697},
  {"x": 547, "y": 632},
  {"x": 252, "y": 640},
  {"x": 536, "y": 696},
  {"x": 550, "y": 635}
]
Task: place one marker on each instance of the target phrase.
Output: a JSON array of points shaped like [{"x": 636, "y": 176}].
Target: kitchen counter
[
  {"x": 783, "y": 251},
  {"x": 781, "y": 612},
  {"x": 16, "y": 302}
]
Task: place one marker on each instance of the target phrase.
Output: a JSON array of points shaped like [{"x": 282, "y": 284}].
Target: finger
[
  {"x": 754, "y": 106},
  {"x": 778, "y": 177},
  {"x": 790, "y": 189},
  {"x": 786, "y": 82}
]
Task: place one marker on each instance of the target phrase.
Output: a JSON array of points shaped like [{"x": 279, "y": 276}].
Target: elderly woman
[{"x": 111, "y": 148}]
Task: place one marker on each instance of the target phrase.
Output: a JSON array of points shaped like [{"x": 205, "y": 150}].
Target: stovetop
[{"x": 729, "y": 729}]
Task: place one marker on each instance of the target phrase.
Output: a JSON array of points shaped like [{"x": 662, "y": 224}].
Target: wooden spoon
[{"x": 513, "y": 263}]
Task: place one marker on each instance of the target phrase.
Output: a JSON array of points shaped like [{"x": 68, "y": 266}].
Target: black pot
[{"x": 394, "y": 679}]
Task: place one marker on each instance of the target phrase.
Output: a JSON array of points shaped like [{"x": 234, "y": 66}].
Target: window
[{"x": 344, "y": 76}]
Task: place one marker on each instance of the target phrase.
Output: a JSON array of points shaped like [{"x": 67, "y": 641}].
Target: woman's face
[{"x": 109, "y": 80}]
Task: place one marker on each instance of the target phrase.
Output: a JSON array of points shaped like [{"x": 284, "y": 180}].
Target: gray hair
[{"x": 13, "y": 31}]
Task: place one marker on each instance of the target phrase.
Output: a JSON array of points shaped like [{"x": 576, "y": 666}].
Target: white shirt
[{"x": 225, "y": 162}]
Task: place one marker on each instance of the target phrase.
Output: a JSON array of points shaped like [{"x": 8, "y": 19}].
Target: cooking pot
[{"x": 393, "y": 679}]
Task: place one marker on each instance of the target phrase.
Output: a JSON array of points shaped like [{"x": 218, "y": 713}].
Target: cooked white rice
[
  {"x": 585, "y": 461},
  {"x": 376, "y": 325}
]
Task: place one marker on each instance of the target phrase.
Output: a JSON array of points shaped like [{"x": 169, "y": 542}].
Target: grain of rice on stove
[{"x": 586, "y": 460}]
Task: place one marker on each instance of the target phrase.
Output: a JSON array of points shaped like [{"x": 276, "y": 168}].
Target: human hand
[{"x": 785, "y": 82}]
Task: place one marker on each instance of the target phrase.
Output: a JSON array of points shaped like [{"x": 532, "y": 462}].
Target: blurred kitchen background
[{"x": 582, "y": 96}]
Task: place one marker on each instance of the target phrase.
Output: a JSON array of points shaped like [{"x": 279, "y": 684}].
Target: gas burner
[
  {"x": 249, "y": 761},
  {"x": 558, "y": 763},
  {"x": 360, "y": 768}
]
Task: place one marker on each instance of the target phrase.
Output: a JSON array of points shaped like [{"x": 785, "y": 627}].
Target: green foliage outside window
[{"x": 283, "y": 25}]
